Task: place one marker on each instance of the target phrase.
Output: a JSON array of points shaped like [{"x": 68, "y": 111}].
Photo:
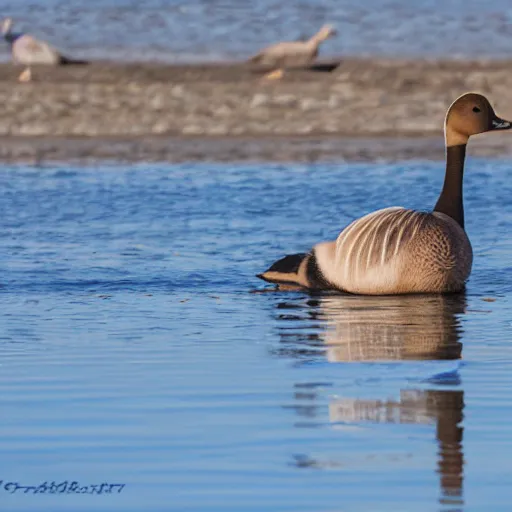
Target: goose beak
[{"x": 500, "y": 124}]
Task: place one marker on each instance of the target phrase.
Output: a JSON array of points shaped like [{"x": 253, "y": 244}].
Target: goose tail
[
  {"x": 288, "y": 271},
  {"x": 301, "y": 270},
  {"x": 67, "y": 61}
]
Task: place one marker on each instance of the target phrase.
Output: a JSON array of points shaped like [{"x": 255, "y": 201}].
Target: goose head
[
  {"x": 471, "y": 114},
  {"x": 326, "y": 32},
  {"x": 6, "y": 25}
]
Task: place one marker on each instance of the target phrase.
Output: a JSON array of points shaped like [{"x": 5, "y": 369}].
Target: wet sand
[
  {"x": 365, "y": 109},
  {"x": 314, "y": 148}
]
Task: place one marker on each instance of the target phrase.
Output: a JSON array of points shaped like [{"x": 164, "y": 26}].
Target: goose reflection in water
[
  {"x": 392, "y": 328},
  {"x": 442, "y": 408},
  {"x": 356, "y": 329}
]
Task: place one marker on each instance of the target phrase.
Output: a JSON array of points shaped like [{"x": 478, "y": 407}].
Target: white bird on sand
[{"x": 28, "y": 50}]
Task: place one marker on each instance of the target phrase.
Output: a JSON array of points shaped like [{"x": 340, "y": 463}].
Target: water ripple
[{"x": 138, "y": 347}]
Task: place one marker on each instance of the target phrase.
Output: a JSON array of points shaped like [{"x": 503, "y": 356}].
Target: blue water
[
  {"x": 205, "y": 30},
  {"x": 138, "y": 348}
]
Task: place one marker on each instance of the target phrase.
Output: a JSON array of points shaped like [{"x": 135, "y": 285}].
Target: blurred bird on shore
[
  {"x": 288, "y": 54},
  {"x": 29, "y": 51}
]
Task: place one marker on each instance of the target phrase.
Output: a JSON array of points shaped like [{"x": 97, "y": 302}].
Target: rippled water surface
[
  {"x": 137, "y": 347},
  {"x": 185, "y": 30}
]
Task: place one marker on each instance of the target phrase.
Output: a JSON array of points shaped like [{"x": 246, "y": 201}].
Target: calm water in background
[
  {"x": 199, "y": 30},
  {"x": 134, "y": 349}
]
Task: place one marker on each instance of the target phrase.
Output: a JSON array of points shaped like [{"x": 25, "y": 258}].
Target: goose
[
  {"x": 28, "y": 50},
  {"x": 291, "y": 53},
  {"x": 397, "y": 250}
]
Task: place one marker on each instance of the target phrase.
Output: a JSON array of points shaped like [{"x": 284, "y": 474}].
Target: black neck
[
  {"x": 450, "y": 200},
  {"x": 10, "y": 37}
]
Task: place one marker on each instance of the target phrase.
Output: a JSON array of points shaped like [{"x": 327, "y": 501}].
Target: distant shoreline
[
  {"x": 259, "y": 149},
  {"x": 365, "y": 109}
]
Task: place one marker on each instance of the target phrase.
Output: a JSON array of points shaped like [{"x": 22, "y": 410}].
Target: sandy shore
[{"x": 364, "y": 109}]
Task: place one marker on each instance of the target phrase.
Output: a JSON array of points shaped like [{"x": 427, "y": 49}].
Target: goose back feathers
[
  {"x": 29, "y": 51},
  {"x": 396, "y": 250}
]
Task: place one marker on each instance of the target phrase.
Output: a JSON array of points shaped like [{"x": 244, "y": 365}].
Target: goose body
[
  {"x": 27, "y": 50},
  {"x": 288, "y": 54},
  {"x": 398, "y": 250}
]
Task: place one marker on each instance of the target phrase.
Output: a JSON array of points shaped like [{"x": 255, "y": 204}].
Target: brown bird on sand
[{"x": 289, "y": 54}]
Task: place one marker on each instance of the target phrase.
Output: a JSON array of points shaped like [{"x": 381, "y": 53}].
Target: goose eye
[{"x": 476, "y": 109}]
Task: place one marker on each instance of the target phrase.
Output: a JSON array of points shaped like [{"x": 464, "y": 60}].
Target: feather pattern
[{"x": 397, "y": 250}]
